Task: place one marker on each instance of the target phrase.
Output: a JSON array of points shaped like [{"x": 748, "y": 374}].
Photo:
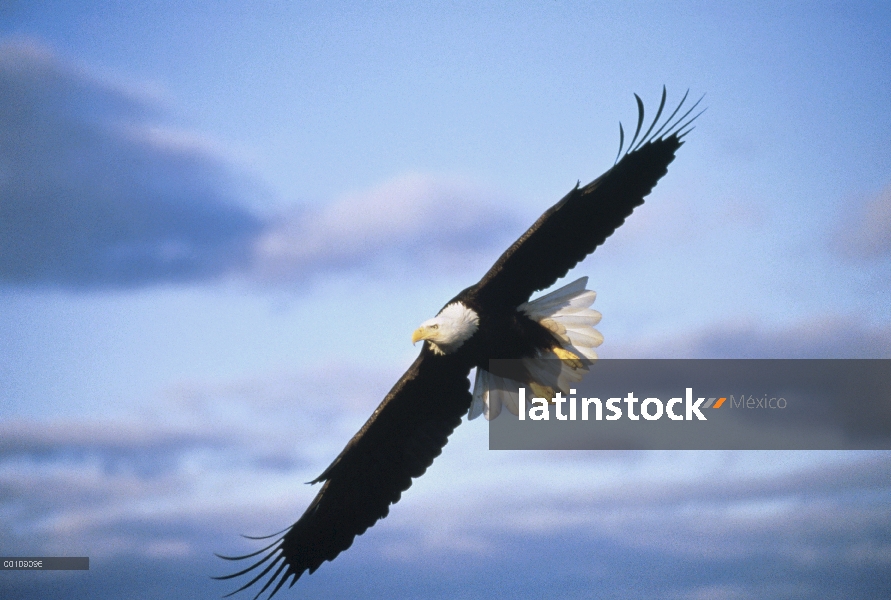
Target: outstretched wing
[
  {"x": 584, "y": 218},
  {"x": 398, "y": 442}
]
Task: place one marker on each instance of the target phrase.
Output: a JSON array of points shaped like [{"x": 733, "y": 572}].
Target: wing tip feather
[{"x": 669, "y": 128}]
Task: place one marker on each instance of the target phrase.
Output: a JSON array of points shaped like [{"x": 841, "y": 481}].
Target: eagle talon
[
  {"x": 570, "y": 359},
  {"x": 542, "y": 391}
]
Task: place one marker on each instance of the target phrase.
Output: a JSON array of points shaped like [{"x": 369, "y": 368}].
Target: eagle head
[{"x": 448, "y": 330}]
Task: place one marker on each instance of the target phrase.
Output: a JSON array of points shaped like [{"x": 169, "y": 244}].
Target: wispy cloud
[
  {"x": 411, "y": 221},
  {"x": 126, "y": 484},
  {"x": 209, "y": 460},
  {"x": 808, "y": 511},
  {"x": 97, "y": 191},
  {"x": 826, "y": 336}
]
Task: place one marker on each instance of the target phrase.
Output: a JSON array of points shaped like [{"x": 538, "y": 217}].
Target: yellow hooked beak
[{"x": 421, "y": 333}]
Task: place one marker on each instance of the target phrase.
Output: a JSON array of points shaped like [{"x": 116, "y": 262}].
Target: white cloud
[{"x": 411, "y": 221}]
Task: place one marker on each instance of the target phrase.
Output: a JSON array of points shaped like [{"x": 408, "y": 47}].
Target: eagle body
[
  {"x": 504, "y": 332},
  {"x": 493, "y": 319}
]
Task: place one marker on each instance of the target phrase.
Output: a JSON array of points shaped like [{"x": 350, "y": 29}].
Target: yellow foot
[
  {"x": 569, "y": 359},
  {"x": 542, "y": 391}
]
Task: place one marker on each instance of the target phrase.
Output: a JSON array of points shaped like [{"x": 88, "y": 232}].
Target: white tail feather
[
  {"x": 588, "y": 339},
  {"x": 588, "y": 353},
  {"x": 496, "y": 395},
  {"x": 480, "y": 395},
  {"x": 588, "y": 318}
]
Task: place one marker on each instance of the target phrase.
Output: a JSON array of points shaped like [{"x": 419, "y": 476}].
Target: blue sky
[{"x": 220, "y": 222}]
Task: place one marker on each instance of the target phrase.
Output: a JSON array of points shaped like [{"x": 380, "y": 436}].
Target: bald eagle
[{"x": 491, "y": 319}]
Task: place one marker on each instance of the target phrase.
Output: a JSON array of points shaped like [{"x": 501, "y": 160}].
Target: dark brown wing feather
[
  {"x": 571, "y": 229},
  {"x": 398, "y": 442}
]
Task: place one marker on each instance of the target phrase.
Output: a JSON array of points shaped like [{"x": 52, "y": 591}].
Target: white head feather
[{"x": 448, "y": 330}]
